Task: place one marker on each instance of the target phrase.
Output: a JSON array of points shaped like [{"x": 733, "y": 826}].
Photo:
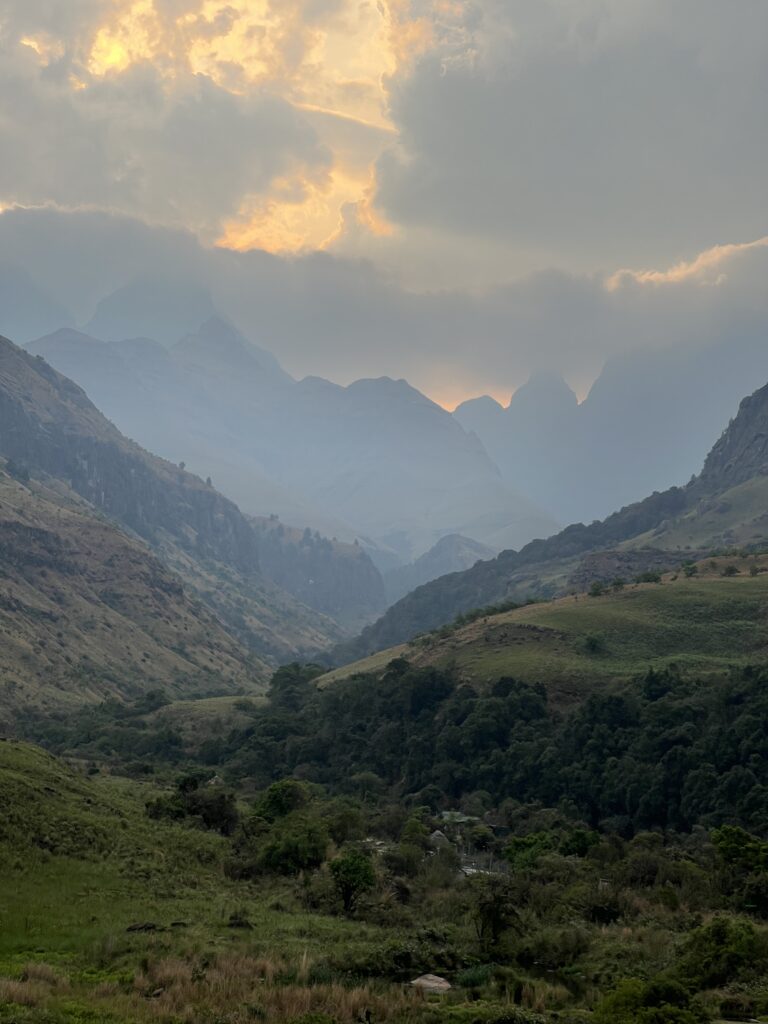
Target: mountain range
[
  {"x": 722, "y": 508},
  {"x": 376, "y": 460},
  {"x": 645, "y": 425}
]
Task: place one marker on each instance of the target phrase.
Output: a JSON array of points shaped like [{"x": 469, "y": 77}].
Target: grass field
[
  {"x": 81, "y": 866},
  {"x": 705, "y": 623}
]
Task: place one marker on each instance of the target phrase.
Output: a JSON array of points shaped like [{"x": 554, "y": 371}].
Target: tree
[
  {"x": 283, "y": 797},
  {"x": 353, "y": 875},
  {"x": 492, "y": 909},
  {"x": 294, "y": 845}
]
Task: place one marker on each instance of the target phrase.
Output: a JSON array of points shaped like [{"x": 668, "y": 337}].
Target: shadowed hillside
[{"x": 88, "y": 610}]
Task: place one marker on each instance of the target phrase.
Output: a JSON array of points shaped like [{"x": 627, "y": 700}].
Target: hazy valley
[{"x": 383, "y": 512}]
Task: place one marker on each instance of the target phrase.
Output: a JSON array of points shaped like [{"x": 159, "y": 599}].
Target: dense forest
[{"x": 669, "y": 752}]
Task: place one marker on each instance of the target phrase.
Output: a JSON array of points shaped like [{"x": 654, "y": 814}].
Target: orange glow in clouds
[{"x": 333, "y": 70}]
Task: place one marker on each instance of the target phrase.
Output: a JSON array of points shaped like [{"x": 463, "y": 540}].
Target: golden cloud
[
  {"x": 707, "y": 268},
  {"x": 335, "y": 64}
]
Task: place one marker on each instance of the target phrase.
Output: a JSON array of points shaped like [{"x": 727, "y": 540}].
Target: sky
[{"x": 454, "y": 192}]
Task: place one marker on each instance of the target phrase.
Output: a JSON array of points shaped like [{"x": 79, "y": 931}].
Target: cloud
[
  {"x": 709, "y": 267},
  {"x": 344, "y": 318},
  {"x": 593, "y": 133},
  {"x": 251, "y": 120}
]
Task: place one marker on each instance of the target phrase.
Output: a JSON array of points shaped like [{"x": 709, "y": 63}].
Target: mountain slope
[
  {"x": 666, "y": 527},
  {"x": 337, "y": 579},
  {"x": 88, "y": 613},
  {"x": 49, "y": 427}
]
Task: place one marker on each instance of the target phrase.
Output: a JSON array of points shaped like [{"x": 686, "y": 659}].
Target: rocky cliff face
[{"x": 742, "y": 452}]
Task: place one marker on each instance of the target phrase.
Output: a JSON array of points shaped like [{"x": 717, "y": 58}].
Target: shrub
[
  {"x": 294, "y": 846},
  {"x": 656, "y": 1002},
  {"x": 353, "y": 875},
  {"x": 651, "y": 576},
  {"x": 594, "y": 644},
  {"x": 281, "y": 798},
  {"x": 720, "y": 952}
]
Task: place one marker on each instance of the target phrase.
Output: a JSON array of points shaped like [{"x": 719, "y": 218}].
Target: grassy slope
[
  {"x": 736, "y": 517},
  {"x": 80, "y": 862},
  {"x": 87, "y": 612},
  {"x": 706, "y": 623}
]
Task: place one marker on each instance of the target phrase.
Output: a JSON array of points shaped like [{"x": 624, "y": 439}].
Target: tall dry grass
[{"x": 252, "y": 988}]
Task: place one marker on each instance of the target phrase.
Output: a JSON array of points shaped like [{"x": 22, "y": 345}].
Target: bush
[
  {"x": 281, "y": 798},
  {"x": 651, "y": 576},
  {"x": 594, "y": 644},
  {"x": 353, "y": 876},
  {"x": 294, "y": 846},
  {"x": 656, "y": 1002},
  {"x": 720, "y": 952}
]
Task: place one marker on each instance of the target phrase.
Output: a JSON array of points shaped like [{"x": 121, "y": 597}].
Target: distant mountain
[
  {"x": 453, "y": 553},
  {"x": 374, "y": 460},
  {"x": 337, "y": 579},
  {"x": 643, "y": 427},
  {"x": 725, "y": 505}
]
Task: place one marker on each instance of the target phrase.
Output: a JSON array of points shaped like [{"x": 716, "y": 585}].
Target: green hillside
[
  {"x": 704, "y": 623},
  {"x": 736, "y": 517}
]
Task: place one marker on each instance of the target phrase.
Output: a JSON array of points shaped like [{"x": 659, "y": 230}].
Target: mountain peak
[
  {"x": 544, "y": 388},
  {"x": 65, "y": 335},
  {"x": 217, "y": 342},
  {"x": 482, "y": 403},
  {"x": 388, "y": 388}
]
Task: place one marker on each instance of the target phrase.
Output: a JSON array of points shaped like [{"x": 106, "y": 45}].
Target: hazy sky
[{"x": 478, "y": 174}]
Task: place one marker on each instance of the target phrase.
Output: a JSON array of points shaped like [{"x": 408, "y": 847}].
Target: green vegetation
[
  {"x": 705, "y": 622},
  {"x": 598, "y": 854},
  {"x": 111, "y": 914}
]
